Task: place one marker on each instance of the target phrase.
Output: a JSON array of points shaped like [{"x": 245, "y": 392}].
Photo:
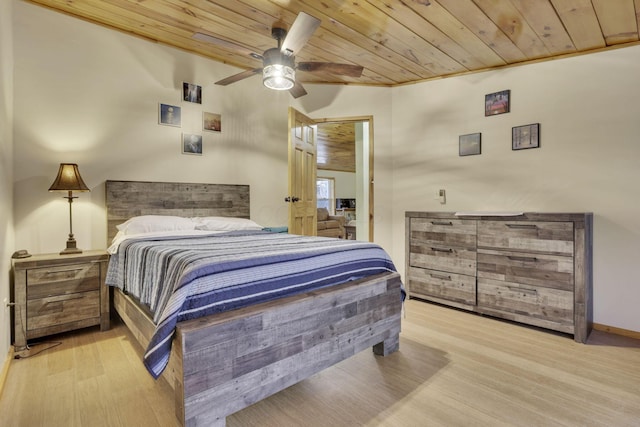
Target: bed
[{"x": 224, "y": 362}]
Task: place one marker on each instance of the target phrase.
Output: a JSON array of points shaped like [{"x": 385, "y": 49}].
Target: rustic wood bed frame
[{"x": 225, "y": 362}]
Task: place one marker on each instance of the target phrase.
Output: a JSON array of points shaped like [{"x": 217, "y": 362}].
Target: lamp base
[
  {"x": 71, "y": 247},
  {"x": 70, "y": 251}
]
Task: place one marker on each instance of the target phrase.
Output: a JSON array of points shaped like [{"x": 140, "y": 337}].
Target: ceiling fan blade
[
  {"x": 333, "y": 68},
  {"x": 301, "y": 31},
  {"x": 240, "y": 76},
  {"x": 226, "y": 44},
  {"x": 297, "y": 90}
]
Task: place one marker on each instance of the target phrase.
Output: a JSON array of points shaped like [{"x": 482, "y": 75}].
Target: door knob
[
  {"x": 287, "y": 199},
  {"x": 295, "y": 199}
]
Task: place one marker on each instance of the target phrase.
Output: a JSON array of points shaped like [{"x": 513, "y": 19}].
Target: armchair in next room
[{"x": 330, "y": 225}]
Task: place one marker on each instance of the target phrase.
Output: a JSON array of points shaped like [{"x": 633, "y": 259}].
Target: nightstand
[{"x": 56, "y": 293}]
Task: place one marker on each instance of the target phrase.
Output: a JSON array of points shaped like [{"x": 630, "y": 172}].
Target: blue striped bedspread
[{"x": 186, "y": 278}]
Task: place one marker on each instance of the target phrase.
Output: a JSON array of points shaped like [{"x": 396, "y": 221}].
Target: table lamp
[{"x": 69, "y": 179}]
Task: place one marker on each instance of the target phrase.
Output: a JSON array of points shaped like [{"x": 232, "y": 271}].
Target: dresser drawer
[
  {"x": 65, "y": 279},
  {"x": 61, "y": 309},
  {"x": 551, "y": 305},
  {"x": 450, "y": 286},
  {"x": 550, "y": 271},
  {"x": 447, "y": 232},
  {"x": 443, "y": 258},
  {"x": 550, "y": 237}
]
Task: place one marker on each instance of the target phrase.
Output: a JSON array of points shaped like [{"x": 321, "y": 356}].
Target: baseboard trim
[
  {"x": 5, "y": 369},
  {"x": 617, "y": 331}
]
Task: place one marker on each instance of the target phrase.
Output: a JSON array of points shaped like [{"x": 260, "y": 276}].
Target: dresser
[
  {"x": 57, "y": 293},
  {"x": 532, "y": 268}
]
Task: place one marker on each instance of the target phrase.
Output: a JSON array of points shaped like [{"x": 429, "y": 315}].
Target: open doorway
[
  {"x": 345, "y": 157},
  {"x": 302, "y": 196}
]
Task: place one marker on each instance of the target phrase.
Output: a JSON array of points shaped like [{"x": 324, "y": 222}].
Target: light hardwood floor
[{"x": 453, "y": 369}]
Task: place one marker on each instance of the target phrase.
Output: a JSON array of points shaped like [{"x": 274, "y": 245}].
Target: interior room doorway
[{"x": 300, "y": 170}]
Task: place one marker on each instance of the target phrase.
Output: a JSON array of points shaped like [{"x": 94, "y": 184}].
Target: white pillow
[
  {"x": 221, "y": 223},
  {"x": 155, "y": 223}
]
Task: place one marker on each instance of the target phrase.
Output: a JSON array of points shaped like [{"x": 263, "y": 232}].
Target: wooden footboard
[{"x": 225, "y": 362}]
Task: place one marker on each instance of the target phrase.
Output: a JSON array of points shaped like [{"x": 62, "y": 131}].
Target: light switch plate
[{"x": 442, "y": 195}]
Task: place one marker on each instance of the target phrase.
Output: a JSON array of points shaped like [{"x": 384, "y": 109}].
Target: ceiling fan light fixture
[
  {"x": 278, "y": 77},
  {"x": 278, "y": 72}
]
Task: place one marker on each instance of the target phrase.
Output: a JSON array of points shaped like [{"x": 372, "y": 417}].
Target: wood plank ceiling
[
  {"x": 337, "y": 146},
  {"x": 396, "y": 41}
]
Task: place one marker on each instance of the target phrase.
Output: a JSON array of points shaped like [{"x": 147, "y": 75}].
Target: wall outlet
[{"x": 442, "y": 196}]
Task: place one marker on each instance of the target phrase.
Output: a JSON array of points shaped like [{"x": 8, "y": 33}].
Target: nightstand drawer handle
[
  {"x": 64, "y": 271},
  {"x": 441, "y": 277},
  {"x": 441, "y": 249},
  {"x": 69, "y": 298}
]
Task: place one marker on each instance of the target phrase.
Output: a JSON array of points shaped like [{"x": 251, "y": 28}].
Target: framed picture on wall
[
  {"x": 470, "y": 144},
  {"x": 192, "y": 144},
  {"x": 527, "y": 136},
  {"x": 211, "y": 122},
  {"x": 191, "y": 93},
  {"x": 169, "y": 115},
  {"x": 497, "y": 103}
]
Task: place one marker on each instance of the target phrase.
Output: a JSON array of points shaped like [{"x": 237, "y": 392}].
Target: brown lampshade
[{"x": 68, "y": 179}]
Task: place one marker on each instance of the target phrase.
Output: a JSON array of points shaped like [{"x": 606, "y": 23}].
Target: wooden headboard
[{"x": 126, "y": 199}]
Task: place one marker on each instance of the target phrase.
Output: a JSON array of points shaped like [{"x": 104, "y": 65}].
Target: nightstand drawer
[
  {"x": 61, "y": 309},
  {"x": 64, "y": 279}
]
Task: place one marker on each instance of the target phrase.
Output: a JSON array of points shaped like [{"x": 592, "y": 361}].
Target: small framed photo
[
  {"x": 192, "y": 144},
  {"x": 497, "y": 103},
  {"x": 169, "y": 115},
  {"x": 191, "y": 93},
  {"x": 470, "y": 145},
  {"x": 211, "y": 122},
  {"x": 527, "y": 136}
]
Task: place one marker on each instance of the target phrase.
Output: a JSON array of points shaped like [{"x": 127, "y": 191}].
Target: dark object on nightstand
[{"x": 22, "y": 253}]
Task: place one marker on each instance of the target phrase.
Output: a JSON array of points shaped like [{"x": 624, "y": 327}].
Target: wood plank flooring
[{"x": 453, "y": 369}]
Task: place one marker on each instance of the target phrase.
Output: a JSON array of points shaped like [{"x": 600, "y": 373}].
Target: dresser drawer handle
[
  {"x": 524, "y": 290},
  {"x": 441, "y": 277},
  {"x": 441, "y": 249},
  {"x": 523, "y": 258},
  {"x": 523, "y": 226},
  {"x": 441, "y": 223}
]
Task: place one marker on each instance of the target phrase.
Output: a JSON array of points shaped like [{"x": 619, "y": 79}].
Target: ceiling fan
[{"x": 278, "y": 63}]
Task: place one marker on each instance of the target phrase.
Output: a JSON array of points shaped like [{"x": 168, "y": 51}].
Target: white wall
[
  {"x": 6, "y": 169},
  {"x": 588, "y": 110},
  {"x": 345, "y": 183}
]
